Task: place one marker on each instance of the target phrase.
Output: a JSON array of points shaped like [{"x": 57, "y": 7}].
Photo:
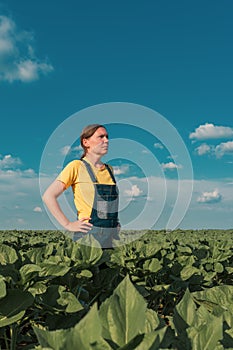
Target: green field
[{"x": 166, "y": 290}]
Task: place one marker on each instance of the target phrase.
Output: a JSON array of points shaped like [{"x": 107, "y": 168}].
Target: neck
[{"x": 95, "y": 160}]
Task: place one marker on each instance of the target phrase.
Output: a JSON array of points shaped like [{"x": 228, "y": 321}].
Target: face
[{"x": 98, "y": 142}]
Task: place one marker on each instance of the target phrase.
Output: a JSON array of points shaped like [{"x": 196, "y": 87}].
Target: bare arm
[{"x": 50, "y": 199}]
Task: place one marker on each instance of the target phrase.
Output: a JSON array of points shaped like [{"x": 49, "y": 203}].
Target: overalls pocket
[{"x": 106, "y": 201}]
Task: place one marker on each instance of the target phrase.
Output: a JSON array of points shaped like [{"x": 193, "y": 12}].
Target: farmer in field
[{"x": 94, "y": 189}]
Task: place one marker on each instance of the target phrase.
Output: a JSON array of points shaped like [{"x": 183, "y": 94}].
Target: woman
[{"x": 94, "y": 189}]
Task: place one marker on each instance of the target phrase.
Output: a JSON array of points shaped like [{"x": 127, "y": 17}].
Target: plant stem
[
  {"x": 6, "y": 341},
  {"x": 14, "y": 334}
]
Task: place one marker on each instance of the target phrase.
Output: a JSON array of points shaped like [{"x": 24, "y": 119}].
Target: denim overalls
[{"x": 104, "y": 215}]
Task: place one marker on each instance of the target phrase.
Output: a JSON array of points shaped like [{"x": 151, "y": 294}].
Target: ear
[{"x": 85, "y": 143}]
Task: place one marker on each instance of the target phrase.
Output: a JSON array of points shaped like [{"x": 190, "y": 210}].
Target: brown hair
[{"x": 87, "y": 132}]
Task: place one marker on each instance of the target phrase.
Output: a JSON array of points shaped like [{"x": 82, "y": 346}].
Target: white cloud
[
  {"x": 29, "y": 70},
  {"x": 22, "y": 192},
  {"x": 219, "y": 151},
  {"x": 8, "y": 175},
  {"x": 65, "y": 150},
  {"x": 158, "y": 145},
  {"x": 20, "y": 221},
  {"x": 203, "y": 149},
  {"x": 7, "y": 28},
  {"x": 68, "y": 150},
  {"x": 77, "y": 148},
  {"x": 29, "y": 173},
  {"x": 119, "y": 170},
  {"x": 224, "y": 148},
  {"x": 17, "y": 58},
  {"x": 211, "y": 131},
  {"x": 20, "y": 201},
  {"x": 134, "y": 191},
  {"x": 210, "y": 197},
  {"x": 21, "y": 205},
  {"x": 8, "y": 162},
  {"x": 170, "y": 166},
  {"x": 37, "y": 210}
]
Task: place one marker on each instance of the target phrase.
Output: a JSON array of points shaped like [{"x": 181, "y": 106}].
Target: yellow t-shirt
[{"x": 75, "y": 174}]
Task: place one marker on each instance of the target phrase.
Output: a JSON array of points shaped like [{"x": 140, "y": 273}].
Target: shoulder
[
  {"x": 70, "y": 172},
  {"x": 109, "y": 166},
  {"x": 72, "y": 167},
  {"x": 73, "y": 164}
]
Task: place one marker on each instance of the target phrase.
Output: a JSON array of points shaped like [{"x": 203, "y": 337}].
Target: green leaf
[
  {"x": 10, "y": 274},
  {"x": 14, "y": 305},
  {"x": 29, "y": 272},
  {"x": 132, "y": 344},
  {"x": 41, "y": 348},
  {"x": 85, "y": 273},
  {"x": 206, "y": 330},
  {"x": 51, "y": 339},
  {"x": 229, "y": 269},
  {"x": 185, "y": 260},
  {"x": 117, "y": 258},
  {"x": 184, "y": 312},
  {"x": 219, "y": 295},
  {"x": 86, "y": 335},
  {"x": 8, "y": 255},
  {"x": 149, "y": 249},
  {"x": 70, "y": 302},
  {"x": 50, "y": 297},
  {"x": 184, "y": 249},
  {"x": 152, "y": 340},
  {"x": 119, "y": 313},
  {"x": 87, "y": 252},
  {"x": 228, "y": 317},
  {"x": 153, "y": 265},
  {"x": 2, "y": 287},
  {"x": 38, "y": 288},
  {"x": 188, "y": 271},
  {"x": 53, "y": 269},
  {"x": 152, "y": 321},
  {"x": 58, "y": 298},
  {"x": 38, "y": 254},
  {"x": 218, "y": 267},
  {"x": 230, "y": 333},
  {"x": 209, "y": 267}
]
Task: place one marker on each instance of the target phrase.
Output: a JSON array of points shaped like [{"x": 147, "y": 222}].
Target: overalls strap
[
  {"x": 90, "y": 171},
  {"x": 92, "y": 175},
  {"x": 111, "y": 173}
]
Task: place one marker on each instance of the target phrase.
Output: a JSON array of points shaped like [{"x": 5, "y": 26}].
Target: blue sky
[{"x": 172, "y": 57}]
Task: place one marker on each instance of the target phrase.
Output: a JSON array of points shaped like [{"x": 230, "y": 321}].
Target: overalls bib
[
  {"x": 105, "y": 207},
  {"x": 104, "y": 214}
]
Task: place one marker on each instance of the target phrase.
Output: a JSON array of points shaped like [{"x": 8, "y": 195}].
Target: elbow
[
  {"x": 52, "y": 193},
  {"x": 45, "y": 197}
]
